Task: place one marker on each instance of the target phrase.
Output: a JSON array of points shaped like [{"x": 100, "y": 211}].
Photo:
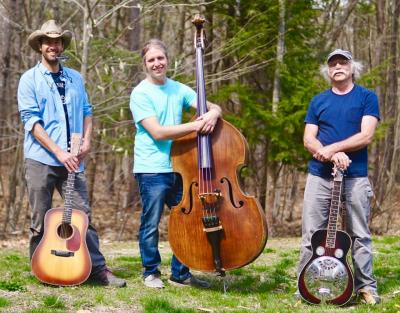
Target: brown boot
[{"x": 369, "y": 296}]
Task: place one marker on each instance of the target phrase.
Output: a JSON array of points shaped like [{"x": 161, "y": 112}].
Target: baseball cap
[{"x": 344, "y": 53}]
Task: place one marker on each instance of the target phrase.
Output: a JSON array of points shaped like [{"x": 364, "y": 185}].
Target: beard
[{"x": 52, "y": 60}]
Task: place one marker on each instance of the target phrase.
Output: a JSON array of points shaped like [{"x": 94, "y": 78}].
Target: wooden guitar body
[
  {"x": 327, "y": 276},
  {"x": 62, "y": 257}
]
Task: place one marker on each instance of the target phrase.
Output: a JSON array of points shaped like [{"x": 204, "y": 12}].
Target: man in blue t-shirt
[
  {"x": 339, "y": 125},
  {"x": 157, "y": 103}
]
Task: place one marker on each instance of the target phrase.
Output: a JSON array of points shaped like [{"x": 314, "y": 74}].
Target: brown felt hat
[{"x": 49, "y": 29}]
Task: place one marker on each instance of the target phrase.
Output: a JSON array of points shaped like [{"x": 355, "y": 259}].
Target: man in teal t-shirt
[
  {"x": 157, "y": 103},
  {"x": 166, "y": 102}
]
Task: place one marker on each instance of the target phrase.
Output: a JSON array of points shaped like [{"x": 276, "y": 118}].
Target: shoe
[
  {"x": 153, "y": 281},
  {"x": 191, "y": 281},
  {"x": 107, "y": 278},
  {"x": 369, "y": 296}
]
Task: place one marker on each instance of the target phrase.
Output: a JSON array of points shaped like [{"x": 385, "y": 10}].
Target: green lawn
[{"x": 266, "y": 285}]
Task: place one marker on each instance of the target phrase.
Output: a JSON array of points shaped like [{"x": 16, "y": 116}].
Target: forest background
[{"x": 261, "y": 66}]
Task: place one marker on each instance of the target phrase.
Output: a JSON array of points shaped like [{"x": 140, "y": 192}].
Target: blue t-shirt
[
  {"x": 61, "y": 90},
  {"x": 166, "y": 103},
  {"x": 338, "y": 117}
]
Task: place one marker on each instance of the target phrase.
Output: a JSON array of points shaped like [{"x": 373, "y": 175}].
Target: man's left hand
[
  {"x": 84, "y": 151},
  {"x": 341, "y": 160},
  {"x": 210, "y": 118}
]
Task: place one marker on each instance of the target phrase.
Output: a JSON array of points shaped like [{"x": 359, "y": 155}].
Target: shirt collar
[{"x": 43, "y": 69}]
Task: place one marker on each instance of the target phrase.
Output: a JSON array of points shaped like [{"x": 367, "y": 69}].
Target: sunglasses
[{"x": 338, "y": 61}]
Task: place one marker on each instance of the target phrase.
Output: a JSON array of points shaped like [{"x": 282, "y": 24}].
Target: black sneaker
[
  {"x": 107, "y": 278},
  {"x": 192, "y": 281}
]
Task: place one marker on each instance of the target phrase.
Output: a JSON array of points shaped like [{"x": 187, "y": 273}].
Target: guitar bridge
[{"x": 64, "y": 254}]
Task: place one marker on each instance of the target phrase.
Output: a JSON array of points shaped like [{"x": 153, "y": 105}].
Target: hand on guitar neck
[{"x": 73, "y": 158}]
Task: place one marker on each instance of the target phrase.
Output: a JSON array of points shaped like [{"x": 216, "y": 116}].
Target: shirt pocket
[
  {"x": 41, "y": 100},
  {"x": 354, "y": 115}
]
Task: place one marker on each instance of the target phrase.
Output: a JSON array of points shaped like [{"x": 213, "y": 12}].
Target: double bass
[{"x": 216, "y": 226}]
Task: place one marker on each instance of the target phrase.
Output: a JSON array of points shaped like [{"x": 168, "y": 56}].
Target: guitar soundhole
[{"x": 64, "y": 230}]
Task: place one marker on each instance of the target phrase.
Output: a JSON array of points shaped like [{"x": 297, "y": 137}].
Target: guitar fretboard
[
  {"x": 334, "y": 213},
  {"x": 69, "y": 189}
]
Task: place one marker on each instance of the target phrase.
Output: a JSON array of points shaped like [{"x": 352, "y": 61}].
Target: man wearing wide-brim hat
[
  {"x": 53, "y": 105},
  {"x": 50, "y": 30}
]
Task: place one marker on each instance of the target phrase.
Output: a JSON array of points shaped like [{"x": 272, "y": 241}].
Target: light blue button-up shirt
[{"x": 39, "y": 102}]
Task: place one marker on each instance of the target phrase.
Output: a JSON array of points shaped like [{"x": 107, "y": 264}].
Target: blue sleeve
[
  {"x": 311, "y": 116},
  {"x": 87, "y": 106},
  {"x": 371, "y": 106},
  {"x": 27, "y": 104},
  {"x": 189, "y": 96},
  {"x": 141, "y": 106}
]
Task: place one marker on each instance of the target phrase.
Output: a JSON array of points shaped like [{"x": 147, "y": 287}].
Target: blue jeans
[
  {"x": 41, "y": 181},
  {"x": 317, "y": 199},
  {"x": 156, "y": 190}
]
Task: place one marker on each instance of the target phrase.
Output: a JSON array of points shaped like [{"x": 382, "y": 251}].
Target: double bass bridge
[{"x": 210, "y": 200}]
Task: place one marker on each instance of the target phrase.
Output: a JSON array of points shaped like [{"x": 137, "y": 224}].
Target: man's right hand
[{"x": 70, "y": 161}]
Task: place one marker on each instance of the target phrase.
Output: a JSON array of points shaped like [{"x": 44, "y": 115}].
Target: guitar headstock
[
  {"x": 76, "y": 142},
  {"x": 337, "y": 173},
  {"x": 199, "y": 38}
]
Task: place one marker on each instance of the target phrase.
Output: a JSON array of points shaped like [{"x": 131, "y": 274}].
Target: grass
[{"x": 266, "y": 285}]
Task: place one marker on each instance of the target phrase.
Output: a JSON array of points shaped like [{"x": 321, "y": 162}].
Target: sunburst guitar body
[{"x": 62, "y": 257}]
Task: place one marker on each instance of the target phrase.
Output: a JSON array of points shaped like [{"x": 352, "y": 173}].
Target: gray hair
[{"x": 356, "y": 69}]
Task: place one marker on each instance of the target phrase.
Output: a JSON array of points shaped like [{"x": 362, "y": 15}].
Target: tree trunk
[
  {"x": 134, "y": 32},
  {"x": 394, "y": 107}
]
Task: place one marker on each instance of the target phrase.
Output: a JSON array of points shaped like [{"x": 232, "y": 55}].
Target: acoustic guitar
[
  {"x": 327, "y": 277},
  {"x": 62, "y": 257}
]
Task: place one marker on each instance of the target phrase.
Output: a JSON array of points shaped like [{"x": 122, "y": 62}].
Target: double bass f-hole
[
  {"x": 241, "y": 203},
  {"x": 216, "y": 195}
]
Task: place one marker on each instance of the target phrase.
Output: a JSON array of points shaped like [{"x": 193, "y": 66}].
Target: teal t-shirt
[{"x": 166, "y": 103}]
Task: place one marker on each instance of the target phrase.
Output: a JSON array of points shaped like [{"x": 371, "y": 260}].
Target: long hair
[
  {"x": 356, "y": 69},
  {"x": 156, "y": 43}
]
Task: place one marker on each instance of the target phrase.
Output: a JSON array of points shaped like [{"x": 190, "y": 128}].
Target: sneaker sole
[{"x": 174, "y": 283}]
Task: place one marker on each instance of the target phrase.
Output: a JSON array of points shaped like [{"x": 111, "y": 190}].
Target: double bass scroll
[{"x": 216, "y": 226}]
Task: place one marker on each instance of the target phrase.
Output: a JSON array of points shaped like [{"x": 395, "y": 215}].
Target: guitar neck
[
  {"x": 76, "y": 140},
  {"x": 69, "y": 189},
  {"x": 334, "y": 214}
]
